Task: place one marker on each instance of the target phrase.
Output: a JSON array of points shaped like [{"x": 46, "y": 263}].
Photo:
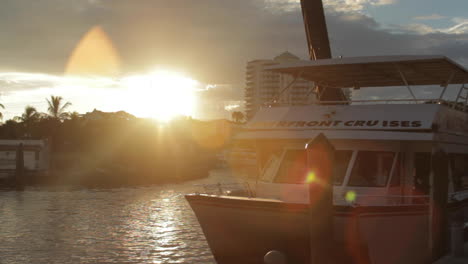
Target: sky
[{"x": 209, "y": 41}]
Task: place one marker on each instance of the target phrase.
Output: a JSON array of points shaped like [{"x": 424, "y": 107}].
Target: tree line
[{"x": 114, "y": 149}]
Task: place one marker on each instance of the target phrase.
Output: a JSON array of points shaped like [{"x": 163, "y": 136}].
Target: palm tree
[
  {"x": 57, "y": 107},
  {"x": 74, "y": 116},
  {"x": 237, "y": 116},
  {"x": 30, "y": 115},
  {"x": 1, "y": 114}
]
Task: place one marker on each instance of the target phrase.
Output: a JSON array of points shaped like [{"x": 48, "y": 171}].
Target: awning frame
[{"x": 381, "y": 71}]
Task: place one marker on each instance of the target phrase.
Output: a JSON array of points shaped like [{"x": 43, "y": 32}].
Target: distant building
[
  {"x": 265, "y": 87},
  {"x": 96, "y": 115},
  {"x": 35, "y": 153}
]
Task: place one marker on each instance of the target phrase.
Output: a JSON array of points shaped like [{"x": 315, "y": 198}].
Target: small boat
[{"x": 397, "y": 163}]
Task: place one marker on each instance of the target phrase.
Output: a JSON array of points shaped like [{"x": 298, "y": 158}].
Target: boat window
[
  {"x": 421, "y": 172},
  {"x": 459, "y": 165},
  {"x": 371, "y": 169},
  {"x": 342, "y": 158},
  {"x": 293, "y": 167}
]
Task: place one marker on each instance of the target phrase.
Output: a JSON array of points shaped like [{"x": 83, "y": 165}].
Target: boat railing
[
  {"x": 227, "y": 189},
  {"x": 388, "y": 101},
  {"x": 461, "y": 106},
  {"x": 245, "y": 189},
  {"x": 383, "y": 200}
]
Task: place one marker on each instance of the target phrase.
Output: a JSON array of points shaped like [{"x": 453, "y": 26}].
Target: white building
[
  {"x": 265, "y": 87},
  {"x": 35, "y": 153}
]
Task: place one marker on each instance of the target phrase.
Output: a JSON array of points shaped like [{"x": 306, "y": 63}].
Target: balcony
[{"x": 250, "y": 66}]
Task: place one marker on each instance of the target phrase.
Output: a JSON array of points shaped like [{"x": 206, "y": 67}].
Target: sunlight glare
[{"x": 161, "y": 95}]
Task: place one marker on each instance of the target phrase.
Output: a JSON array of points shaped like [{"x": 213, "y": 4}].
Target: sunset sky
[{"x": 204, "y": 42}]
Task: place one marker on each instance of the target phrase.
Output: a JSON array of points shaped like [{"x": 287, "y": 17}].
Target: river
[{"x": 128, "y": 225}]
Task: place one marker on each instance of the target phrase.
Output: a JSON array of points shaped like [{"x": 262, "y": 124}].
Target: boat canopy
[{"x": 377, "y": 71}]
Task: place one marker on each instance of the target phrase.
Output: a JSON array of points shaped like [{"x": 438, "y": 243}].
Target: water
[{"x": 129, "y": 225}]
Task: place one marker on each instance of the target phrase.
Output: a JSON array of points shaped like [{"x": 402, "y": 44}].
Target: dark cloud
[
  {"x": 210, "y": 39},
  {"x": 359, "y": 35}
]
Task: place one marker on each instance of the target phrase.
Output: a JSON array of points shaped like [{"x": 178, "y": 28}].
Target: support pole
[
  {"x": 438, "y": 213},
  {"x": 466, "y": 98},
  {"x": 19, "y": 169},
  {"x": 320, "y": 91},
  {"x": 457, "y": 234},
  {"x": 446, "y": 85},
  {"x": 462, "y": 87},
  {"x": 460, "y": 96},
  {"x": 296, "y": 77},
  {"x": 320, "y": 156},
  {"x": 405, "y": 81}
]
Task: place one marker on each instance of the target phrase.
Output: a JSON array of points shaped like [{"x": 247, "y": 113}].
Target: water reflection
[{"x": 137, "y": 225}]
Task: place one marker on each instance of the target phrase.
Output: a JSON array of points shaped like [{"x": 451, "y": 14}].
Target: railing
[
  {"x": 227, "y": 189},
  {"x": 244, "y": 189},
  {"x": 387, "y": 101},
  {"x": 458, "y": 106},
  {"x": 382, "y": 200}
]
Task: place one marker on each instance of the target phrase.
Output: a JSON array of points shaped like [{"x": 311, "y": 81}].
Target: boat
[{"x": 400, "y": 168}]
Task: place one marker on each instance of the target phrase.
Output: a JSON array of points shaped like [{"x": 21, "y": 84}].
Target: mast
[{"x": 318, "y": 42}]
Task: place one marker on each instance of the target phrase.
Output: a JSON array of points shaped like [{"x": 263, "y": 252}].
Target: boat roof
[{"x": 377, "y": 71}]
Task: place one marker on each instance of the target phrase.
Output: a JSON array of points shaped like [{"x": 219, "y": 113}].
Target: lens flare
[
  {"x": 351, "y": 196},
  {"x": 311, "y": 177},
  {"x": 94, "y": 55}
]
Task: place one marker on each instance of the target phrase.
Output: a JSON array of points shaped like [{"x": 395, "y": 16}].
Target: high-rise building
[{"x": 265, "y": 88}]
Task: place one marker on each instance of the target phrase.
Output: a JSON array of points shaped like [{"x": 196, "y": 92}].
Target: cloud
[
  {"x": 429, "y": 17},
  {"x": 360, "y": 35},
  {"x": 210, "y": 40},
  {"x": 461, "y": 26},
  {"x": 339, "y": 5},
  {"x": 415, "y": 28},
  {"x": 355, "y": 5},
  {"x": 21, "y": 89}
]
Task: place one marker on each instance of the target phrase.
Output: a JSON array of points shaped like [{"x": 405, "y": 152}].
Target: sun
[{"x": 161, "y": 95}]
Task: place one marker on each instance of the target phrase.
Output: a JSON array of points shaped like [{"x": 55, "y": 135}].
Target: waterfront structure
[
  {"x": 265, "y": 87},
  {"x": 35, "y": 153}
]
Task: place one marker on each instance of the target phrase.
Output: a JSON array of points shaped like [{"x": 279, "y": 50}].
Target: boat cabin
[{"x": 384, "y": 148}]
